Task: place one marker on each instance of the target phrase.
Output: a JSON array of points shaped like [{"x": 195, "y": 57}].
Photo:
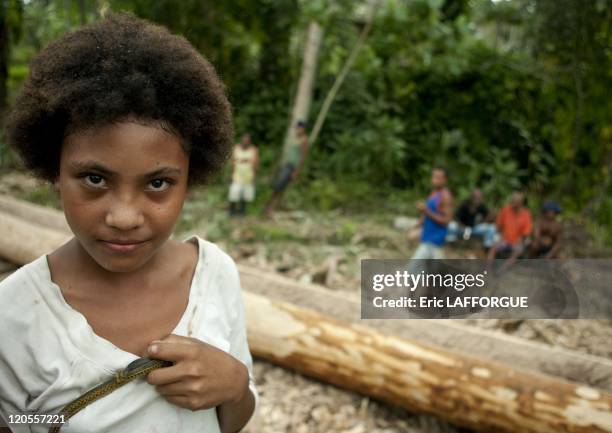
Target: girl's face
[{"x": 122, "y": 187}]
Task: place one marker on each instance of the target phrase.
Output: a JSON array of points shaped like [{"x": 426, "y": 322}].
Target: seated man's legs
[
  {"x": 488, "y": 233},
  {"x": 538, "y": 250},
  {"x": 454, "y": 231},
  {"x": 498, "y": 248},
  {"x": 515, "y": 252}
]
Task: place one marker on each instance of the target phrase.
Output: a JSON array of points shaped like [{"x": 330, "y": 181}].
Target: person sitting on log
[
  {"x": 514, "y": 223},
  {"x": 548, "y": 233},
  {"x": 123, "y": 117},
  {"x": 472, "y": 220}
]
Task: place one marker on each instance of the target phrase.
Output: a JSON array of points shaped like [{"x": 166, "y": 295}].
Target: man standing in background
[
  {"x": 242, "y": 189},
  {"x": 292, "y": 164},
  {"x": 436, "y": 213}
]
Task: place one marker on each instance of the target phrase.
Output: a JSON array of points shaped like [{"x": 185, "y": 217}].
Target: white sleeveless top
[{"x": 243, "y": 165}]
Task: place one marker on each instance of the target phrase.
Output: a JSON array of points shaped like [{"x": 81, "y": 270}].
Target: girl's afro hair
[{"x": 118, "y": 68}]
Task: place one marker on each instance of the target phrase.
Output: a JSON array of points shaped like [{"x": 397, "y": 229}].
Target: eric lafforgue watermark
[
  {"x": 412, "y": 289},
  {"x": 458, "y": 282}
]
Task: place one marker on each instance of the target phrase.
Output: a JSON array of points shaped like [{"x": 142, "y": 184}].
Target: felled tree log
[
  {"x": 33, "y": 213},
  {"x": 22, "y": 241},
  {"x": 450, "y": 335},
  {"x": 469, "y": 391},
  {"x": 478, "y": 394}
]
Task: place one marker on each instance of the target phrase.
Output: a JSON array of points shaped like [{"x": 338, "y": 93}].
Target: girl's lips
[{"x": 123, "y": 247}]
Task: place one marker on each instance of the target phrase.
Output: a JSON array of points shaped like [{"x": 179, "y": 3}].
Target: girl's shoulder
[
  {"x": 215, "y": 265},
  {"x": 216, "y": 283},
  {"x": 23, "y": 291},
  {"x": 31, "y": 274}
]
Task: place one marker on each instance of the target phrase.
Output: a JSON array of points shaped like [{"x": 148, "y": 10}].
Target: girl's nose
[{"x": 124, "y": 217}]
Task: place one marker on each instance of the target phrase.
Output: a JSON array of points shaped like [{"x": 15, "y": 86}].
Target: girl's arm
[{"x": 233, "y": 416}]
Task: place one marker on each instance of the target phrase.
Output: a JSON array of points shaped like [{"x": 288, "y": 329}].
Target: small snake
[{"x": 138, "y": 368}]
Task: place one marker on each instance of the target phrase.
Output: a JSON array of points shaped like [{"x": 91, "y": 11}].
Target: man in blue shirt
[{"x": 436, "y": 213}]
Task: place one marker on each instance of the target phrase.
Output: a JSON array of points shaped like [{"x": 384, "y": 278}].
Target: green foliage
[
  {"x": 43, "y": 195},
  {"x": 507, "y": 94}
]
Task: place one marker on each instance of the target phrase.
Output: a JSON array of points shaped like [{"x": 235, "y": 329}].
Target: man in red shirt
[{"x": 514, "y": 223}]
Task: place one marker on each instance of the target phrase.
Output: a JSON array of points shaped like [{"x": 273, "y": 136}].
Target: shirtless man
[{"x": 548, "y": 233}]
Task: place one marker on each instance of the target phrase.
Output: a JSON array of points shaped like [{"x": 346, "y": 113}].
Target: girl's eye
[
  {"x": 95, "y": 181},
  {"x": 159, "y": 185}
]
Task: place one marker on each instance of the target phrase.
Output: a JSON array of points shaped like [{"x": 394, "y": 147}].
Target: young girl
[{"x": 122, "y": 117}]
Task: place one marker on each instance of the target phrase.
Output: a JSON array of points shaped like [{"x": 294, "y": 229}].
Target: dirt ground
[
  {"x": 318, "y": 251},
  {"x": 326, "y": 249}
]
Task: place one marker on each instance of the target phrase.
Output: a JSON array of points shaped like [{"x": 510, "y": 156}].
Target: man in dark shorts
[
  {"x": 548, "y": 233},
  {"x": 292, "y": 163}
]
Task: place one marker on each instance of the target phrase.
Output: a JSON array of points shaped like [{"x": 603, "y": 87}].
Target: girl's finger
[
  {"x": 171, "y": 350},
  {"x": 167, "y": 375}
]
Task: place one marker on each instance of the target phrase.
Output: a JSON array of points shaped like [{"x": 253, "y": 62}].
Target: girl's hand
[{"x": 202, "y": 376}]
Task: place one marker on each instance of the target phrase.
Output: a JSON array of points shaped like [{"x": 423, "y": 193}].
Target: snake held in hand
[{"x": 136, "y": 369}]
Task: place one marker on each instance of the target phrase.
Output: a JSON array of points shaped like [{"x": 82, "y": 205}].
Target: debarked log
[
  {"x": 35, "y": 214},
  {"x": 478, "y": 394},
  {"x": 452, "y": 335},
  {"x": 22, "y": 241}
]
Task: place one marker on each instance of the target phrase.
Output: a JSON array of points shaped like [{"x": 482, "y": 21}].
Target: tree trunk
[
  {"x": 343, "y": 73},
  {"x": 301, "y": 106}
]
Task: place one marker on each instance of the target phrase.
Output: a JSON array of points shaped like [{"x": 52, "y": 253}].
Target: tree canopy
[{"x": 508, "y": 94}]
